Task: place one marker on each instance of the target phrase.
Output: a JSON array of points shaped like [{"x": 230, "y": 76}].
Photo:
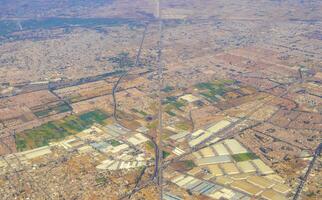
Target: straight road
[{"x": 303, "y": 180}]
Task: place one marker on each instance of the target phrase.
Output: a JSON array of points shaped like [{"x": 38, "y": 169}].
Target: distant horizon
[{"x": 160, "y": 100}]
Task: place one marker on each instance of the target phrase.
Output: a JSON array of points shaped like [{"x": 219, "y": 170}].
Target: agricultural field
[
  {"x": 173, "y": 104},
  {"x": 53, "y": 109},
  {"x": 56, "y": 130},
  {"x": 183, "y": 126},
  {"x": 141, "y": 112},
  {"x": 239, "y": 83},
  {"x": 165, "y": 154},
  {"x": 113, "y": 142},
  {"x": 215, "y": 90},
  {"x": 244, "y": 157},
  {"x": 168, "y": 89}
]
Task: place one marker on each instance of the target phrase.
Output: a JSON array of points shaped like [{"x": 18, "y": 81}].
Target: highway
[
  {"x": 138, "y": 186},
  {"x": 157, "y": 145},
  {"x": 159, "y": 157},
  {"x": 192, "y": 121},
  {"x": 303, "y": 179},
  {"x": 137, "y": 59},
  {"x": 228, "y": 132},
  {"x": 152, "y": 178}
]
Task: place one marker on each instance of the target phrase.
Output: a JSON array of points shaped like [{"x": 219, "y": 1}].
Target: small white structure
[
  {"x": 213, "y": 160},
  {"x": 202, "y": 136},
  {"x": 189, "y": 98},
  {"x": 137, "y": 139},
  {"x": 36, "y": 152},
  {"x": 220, "y": 149},
  {"x": 178, "y": 151},
  {"x": 235, "y": 147},
  {"x": 219, "y": 126},
  {"x": 119, "y": 148},
  {"x": 262, "y": 167},
  {"x": 119, "y": 165}
]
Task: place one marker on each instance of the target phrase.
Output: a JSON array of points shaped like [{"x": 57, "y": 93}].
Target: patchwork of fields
[{"x": 55, "y": 130}]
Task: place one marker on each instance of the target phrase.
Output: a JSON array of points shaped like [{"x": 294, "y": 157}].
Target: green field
[
  {"x": 173, "y": 103},
  {"x": 56, "y": 130},
  {"x": 153, "y": 125},
  {"x": 170, "y": 113},
  {"x": 211, "y": 89},
  {"x": 169, "y": 100},
  {"x": 59, "y": 108},
  {"x": 168, "y": 89},
  {"x": 189, "y": 164},
  {"x": 101, "y": 180},
  {"x": 183, "y": 126},
  {"x": 113, "y": 142},
  {"x": 165, "y": 154},
  {"x": 139, "y": 111},
  {"x": 244, "y": 157}
]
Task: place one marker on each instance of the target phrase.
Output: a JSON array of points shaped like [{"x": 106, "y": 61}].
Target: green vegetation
[
  {"x": 59, "y": 108},
  {"x": 74, "y": 98},
  {"x": 189, "y": 164},
  {"x": 153, "y": 125},
  {"x": 173, "y": 102},
  {"x": 122, "y": 60},
  {"x": 211, "y": 89},
  {"x": 211, "y": 97},
  {"x": 169, "y": 100},
  {"x": 101, "y": 180},
  {"x": 63, "y": 108},
  {"x": 90, "y": 118},
  {"x": 244, "y": 157},
  {"x": 139, "y": 111},
  {"x": 310, "y": 194},
  {"x": 56, "y": 130},
  {"x": 178, "y": 104},
  {"x": 20, "y": 143},
  {"x": 113, "y": 142},
  {"x": 149, "y": 146},
  {"x": 228, "y": 81},
  {"x": 168, "y": 89},
  {"x": 42, "y": 113},
  {"x": 182, "y": 126},
  {"x": 165, "y": 154},
  {"x": 170, "y": 113}
]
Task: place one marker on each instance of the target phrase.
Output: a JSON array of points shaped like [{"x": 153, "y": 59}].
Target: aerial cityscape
[{"x": 160, "y": 99}]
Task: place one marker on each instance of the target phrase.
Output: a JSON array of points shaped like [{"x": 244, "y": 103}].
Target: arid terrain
[{"x": 199, "y": 99}]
